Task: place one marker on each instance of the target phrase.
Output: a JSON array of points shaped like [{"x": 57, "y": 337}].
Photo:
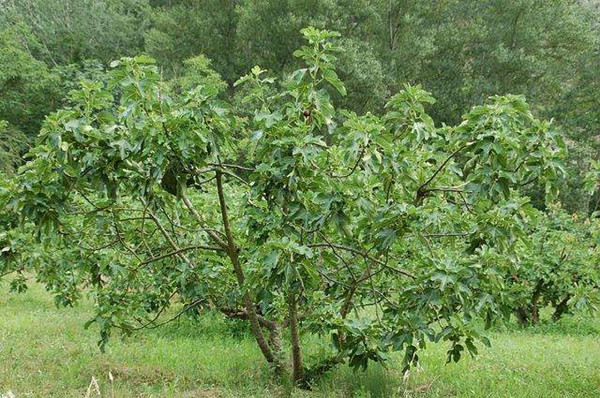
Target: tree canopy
[{"x": 277, "y": 207}]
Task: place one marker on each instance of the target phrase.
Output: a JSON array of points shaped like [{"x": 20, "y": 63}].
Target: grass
[{"x": 45, "y": 352}]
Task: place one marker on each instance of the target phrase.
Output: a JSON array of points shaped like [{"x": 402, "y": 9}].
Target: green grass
[{"x": 45, "y": 352}]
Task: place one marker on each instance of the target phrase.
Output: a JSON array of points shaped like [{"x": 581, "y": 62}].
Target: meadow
[{"x": 46, "y": 352}]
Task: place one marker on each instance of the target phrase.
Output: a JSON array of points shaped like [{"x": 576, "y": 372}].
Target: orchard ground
[{"x": 45, "y": 352}]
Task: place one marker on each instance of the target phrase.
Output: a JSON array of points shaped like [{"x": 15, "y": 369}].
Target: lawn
[{"x": 45, "y": 352}]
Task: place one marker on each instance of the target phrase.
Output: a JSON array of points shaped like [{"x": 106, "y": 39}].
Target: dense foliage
[
  {"x": 558, "y": 266},
  {"x": 378, "y": 233}
]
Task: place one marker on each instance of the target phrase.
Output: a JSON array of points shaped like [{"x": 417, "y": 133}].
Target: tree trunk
[
  {"x": 522, "y": 315},
  {"x": 535, "y": 313},
  {"x": 232, "y": 252},
  {"x": 275, "y": 344},
  {"x": 347, "y": 306},
  {"x": 297, "y": 367},
  {"x": 561, "y": 308}
]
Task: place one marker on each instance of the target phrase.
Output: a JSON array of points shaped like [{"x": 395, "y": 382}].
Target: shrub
[{"x": 378, "y": 233}]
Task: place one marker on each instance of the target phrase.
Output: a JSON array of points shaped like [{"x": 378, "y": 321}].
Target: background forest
[{"x": 460, "y": 51}]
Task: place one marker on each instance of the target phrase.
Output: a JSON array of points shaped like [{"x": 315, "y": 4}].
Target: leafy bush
[
  {"x": 558, "y": 266},
  {"x": 378, "y": 233}
]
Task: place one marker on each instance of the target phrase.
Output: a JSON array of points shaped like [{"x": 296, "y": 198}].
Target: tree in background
[
  {"x": 71, "y": 31},
  {"x": 238, "y": 35},
  {"x": 12, "y": 144},
  {"x": 28, "y": 89},
  {"x": 558, "y": 267},
  {"x": 465, "y": 51},
  {"x": 186, "y": 29}
]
